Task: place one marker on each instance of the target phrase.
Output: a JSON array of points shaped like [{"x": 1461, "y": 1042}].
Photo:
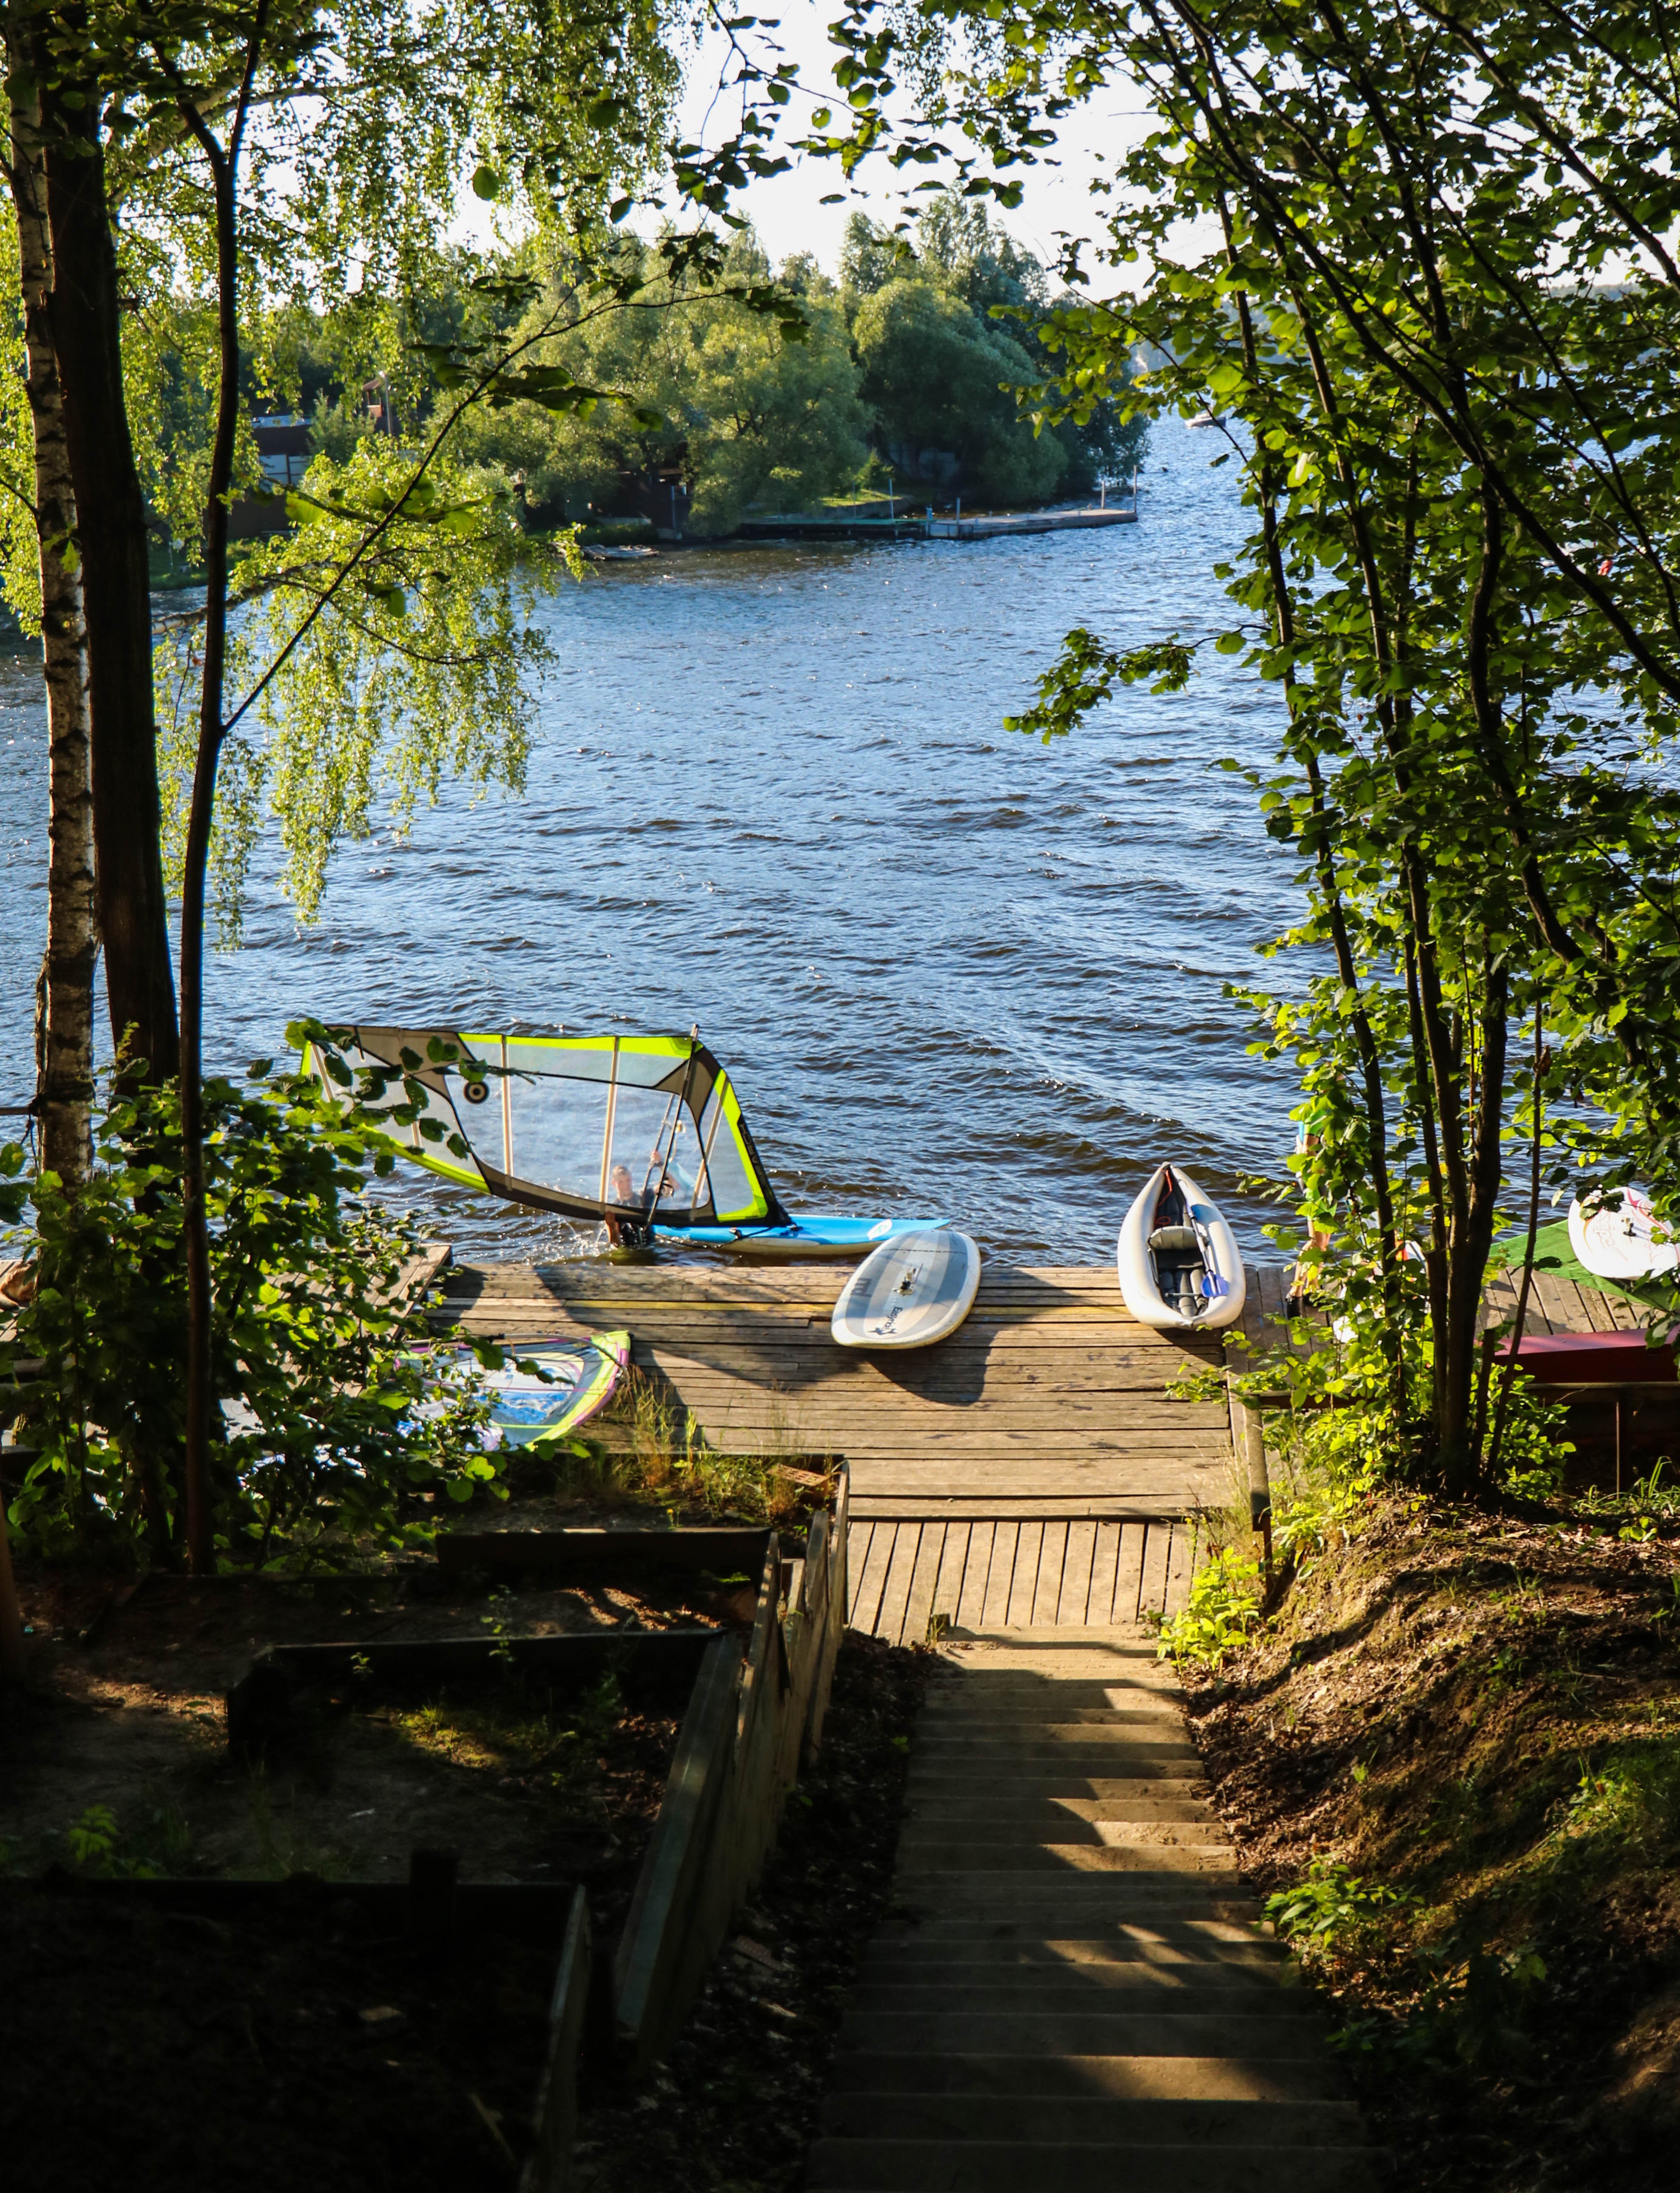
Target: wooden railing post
[
  {"x": 1249, "y": 1444},
  {"x": 548, "y": 2166}
]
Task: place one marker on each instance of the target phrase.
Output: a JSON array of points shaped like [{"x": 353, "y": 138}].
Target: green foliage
[
  {"x": 1630, "y": 1798},
  {"x": 1223, "y": 1609},
  {"x": 13, "y": 1182},
  {"x": 1206, "y": 1383},
  {"x": 940, "y": 377},
  {"x": 1456, "y": 1997},
  {"x": 92, "y": 1846},
  {"x": 19, "y": 543},
  {"x": 522, "y": 1731},
  {"x": 1086, "y": 672},
  {"x": 953, "y": 248},
  {"x": 1332, "y": 1909},
  {"x": 1425, "y": 284},
  {"x": 375, "y": 125},
  {"x": 323, "y": 1454},
  {"x": 422, "y": 667},
  {"x": 712, "y": 388}
]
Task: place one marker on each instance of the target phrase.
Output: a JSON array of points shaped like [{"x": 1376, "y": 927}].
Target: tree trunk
[
  {"x": 116, "y": 595},
  {"x": 224, "y": 166},
  {"x": 65, "y": 1021},
  {"x": 1461, "y": 1424}
]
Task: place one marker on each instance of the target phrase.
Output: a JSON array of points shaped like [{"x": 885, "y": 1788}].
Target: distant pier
[{"x": 802, "y": 526}]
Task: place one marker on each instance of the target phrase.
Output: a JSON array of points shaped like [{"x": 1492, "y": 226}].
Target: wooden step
[
  {"x": 1098, "y": 2030},
  {"x": 976, "y": 1817},
  {"x": 963, "y": 1712},
  {"x": 1153, "y": 2078},
  {"x": 908, "y": 2166},
  {"x": 1183, "y": 1949},
  {"x": 977, "y": 1981},
  {"x": 1147, "y": 1991},
  {"x": 1049, "y": 1743},
  {"x": 1150, "y": 1926},
  {"x": 1164, "y": 1777},
  {"x": 1125, "y": 1823},
  {"x": 1068, "y": 1903},
  {"x": 920, "y": 1856},
  {"x": 1080, "y": 2120}
]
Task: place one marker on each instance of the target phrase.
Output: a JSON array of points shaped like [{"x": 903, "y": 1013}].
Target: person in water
[{"x": 673, "y": 1185}]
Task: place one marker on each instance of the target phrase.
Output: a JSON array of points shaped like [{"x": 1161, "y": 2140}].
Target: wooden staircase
[{"x": 1071, "y": 1996}]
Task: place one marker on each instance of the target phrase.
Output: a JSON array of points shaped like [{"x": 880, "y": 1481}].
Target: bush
[
  {"x": 1225, "y": 1605},
  {"x": 319, "y": 1451},
  {"x": 1332, "y": 1911}
]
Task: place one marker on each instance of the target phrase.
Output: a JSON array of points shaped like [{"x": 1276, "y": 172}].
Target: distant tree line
[{"x": 904, "y": 377}]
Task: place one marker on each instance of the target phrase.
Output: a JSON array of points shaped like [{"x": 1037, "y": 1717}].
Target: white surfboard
[
  {"x": 1617, "y": 1243},
  {"x": 1178, "y": 1259},
  {"x": 911, "y": 1292}
]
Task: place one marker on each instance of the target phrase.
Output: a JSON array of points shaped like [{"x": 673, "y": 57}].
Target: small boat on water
[
  {"x": 1179, "y": 1268},
  {"x": 1613, "y": 1235},
  {"x": 642, "y": 1133}
]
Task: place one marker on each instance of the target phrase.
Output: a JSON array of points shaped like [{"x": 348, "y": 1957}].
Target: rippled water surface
[{"x": 948, "y": 968}]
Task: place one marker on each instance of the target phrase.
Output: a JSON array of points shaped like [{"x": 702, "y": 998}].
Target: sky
[{"x": 787, "y": 209}]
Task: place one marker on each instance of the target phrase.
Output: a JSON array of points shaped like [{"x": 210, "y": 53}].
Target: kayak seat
[{"x": 1181, "y": 1238}]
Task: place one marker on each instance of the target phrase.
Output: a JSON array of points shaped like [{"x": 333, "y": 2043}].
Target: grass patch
[
  {"x": 651, "y": 1453},
  {"x": 519, "y": 1733}
]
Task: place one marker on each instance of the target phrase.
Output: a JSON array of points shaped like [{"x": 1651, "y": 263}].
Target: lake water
[{"x": 950, "y": 970}]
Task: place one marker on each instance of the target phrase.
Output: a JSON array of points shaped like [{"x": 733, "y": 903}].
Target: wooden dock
[
  {"x": 1029, "y": 1469},
  {"x": 1555, "y": 1305}
]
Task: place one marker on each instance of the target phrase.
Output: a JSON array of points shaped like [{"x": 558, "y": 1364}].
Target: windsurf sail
[
  {"x": 637, "y": 1129},
  {"x": 538, "y": 1397}
]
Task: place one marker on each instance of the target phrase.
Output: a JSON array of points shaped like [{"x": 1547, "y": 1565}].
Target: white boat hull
[
  {"x": 911, "y": 1293},
  {"x": 1618, "y": 1244},
  {"x": 1222, "y": 1289}
]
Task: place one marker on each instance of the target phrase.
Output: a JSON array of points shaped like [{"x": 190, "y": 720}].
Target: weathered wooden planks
[
  {"x": 747, "y": 1723},
  {"x": 1051, "y": 1395},
  {"x": 985, "y": 1573},
  {"x": 1030, "y": 1469}
]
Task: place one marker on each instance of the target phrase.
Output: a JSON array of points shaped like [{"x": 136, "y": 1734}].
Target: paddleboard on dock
[
  {"x": 914, "y": 1290},
  {"x": 807, "y": 1238}
]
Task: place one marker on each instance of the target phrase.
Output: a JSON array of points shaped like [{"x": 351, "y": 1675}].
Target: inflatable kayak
[
  {"x": 1179, "y": 1269},
  {"x": 911, "y": 1292},
  {"x": 1613, "y": 1237}
]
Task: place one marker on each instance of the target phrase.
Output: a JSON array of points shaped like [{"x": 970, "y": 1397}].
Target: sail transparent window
[
  {"x": 653, "y": 1161},
  {"x": 556, "y": 1129},
  {"x": 735, "y": 1193}
]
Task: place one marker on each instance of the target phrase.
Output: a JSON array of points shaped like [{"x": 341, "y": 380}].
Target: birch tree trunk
[
  {"x": 134, "y": 908},
  {"x": 64, "y": 1036}
]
